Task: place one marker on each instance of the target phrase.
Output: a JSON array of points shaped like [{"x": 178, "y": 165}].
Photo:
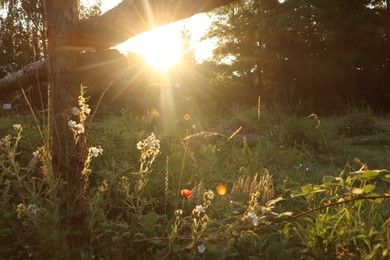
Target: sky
[{"x": 168, "y": 36}]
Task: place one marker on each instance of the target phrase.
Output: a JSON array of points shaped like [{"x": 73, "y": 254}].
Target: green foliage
[
  {"x": 136, "y": 210},
  {"x": 302, "y": 54},
  {"x": 357, "y": 122}
]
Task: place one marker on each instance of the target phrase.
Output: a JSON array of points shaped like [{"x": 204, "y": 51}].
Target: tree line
[{"x": 303, "y": 55}]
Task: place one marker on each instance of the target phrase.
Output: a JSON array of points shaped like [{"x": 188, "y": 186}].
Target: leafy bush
[{"x": 357, "y": 122}]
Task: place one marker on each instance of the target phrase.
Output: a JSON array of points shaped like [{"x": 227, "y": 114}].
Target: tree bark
[
  {"x": 132, "y": 17},
  {"x": 29, "y": 75},
  {"x": 106, "y": 65},
  {"x": 68, "y": 157}
]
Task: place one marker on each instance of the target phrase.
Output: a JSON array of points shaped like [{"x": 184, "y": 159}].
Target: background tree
[{"x": 318, "y": 54}]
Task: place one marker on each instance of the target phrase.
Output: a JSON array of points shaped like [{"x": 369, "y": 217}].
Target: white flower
[
  {"x": 33, "y": 209},
  {"x": 79, "y": 128},
  {"x": 152, "y": 144},
  {"x": 36, "y": 153},
  {"x": 75, "y": 111},
  {"x": 199, "y": 208},
  {"x": 253, "y": 216},
  {"x": 95, "y": 151},
  {"x": 201, "y": 249},
  {"x": 71, "y": 123},
  {"x": 307, "y": 169},
  {"x": 18, "y": 127},
  {"x": 87, "y": 110}
]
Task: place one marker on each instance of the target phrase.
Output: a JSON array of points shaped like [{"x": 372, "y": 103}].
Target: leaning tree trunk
[{"x": 68, "y": 156}]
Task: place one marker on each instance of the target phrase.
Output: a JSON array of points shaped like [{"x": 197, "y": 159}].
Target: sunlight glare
[{"x": 162, "y": 47}]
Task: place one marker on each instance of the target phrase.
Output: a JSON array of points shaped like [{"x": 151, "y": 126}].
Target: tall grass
[{"x": 250, "y": 194}]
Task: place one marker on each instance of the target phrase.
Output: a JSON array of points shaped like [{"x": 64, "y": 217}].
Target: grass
[{"x": 294, "y": 188}]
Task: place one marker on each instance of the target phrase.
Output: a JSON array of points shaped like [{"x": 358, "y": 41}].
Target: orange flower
[
  {"x": 187, "y": 117},
  {"x": 221, "y": 189},
  {"x": 186, "y": 193}
]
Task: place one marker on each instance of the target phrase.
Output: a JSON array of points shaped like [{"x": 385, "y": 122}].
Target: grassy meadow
[{"x": 245, "y": 183}]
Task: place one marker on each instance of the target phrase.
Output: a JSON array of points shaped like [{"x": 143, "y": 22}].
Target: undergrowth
[{"x": 263, "y": 186}]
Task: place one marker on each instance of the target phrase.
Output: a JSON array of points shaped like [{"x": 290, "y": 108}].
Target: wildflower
[
  {"x": 20, "y": 210},
  {"x": 221, "y": 189},
  {"x": 187, "y": 117},
  {"x": 253, "y": 216},
  {"x": 186, "y": 193},
  {"x": 79, "y": 128},
  {"x": 104, "y": 186},
  {"x": 179, "y": 213},
  {"x": 95, "y": 151},
  {"x": 208, "y": 195},
  {"x": 32, "y": 209},
  {"x": 152, "y": 144},
  {"x": 36, "y": 153},
  {"x": 71, "y": 123},
  {"x": 75, "y": 111},
  {"x": 18, "y": 127},
  {"x": 149, "y": 147},
  {"x": 307, "y": 169},
  {"x": 200, "y": 209},
  {"x": 87, "y": 110},
  {"x": 201, "y": 249}
]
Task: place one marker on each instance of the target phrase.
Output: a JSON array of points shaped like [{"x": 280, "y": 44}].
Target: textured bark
[
  {"x": 64, "y": 89},
  {"x": 29, "y": 75},
  {"x": 133, "y": 17},
  {"x": 106, "y": 65}
]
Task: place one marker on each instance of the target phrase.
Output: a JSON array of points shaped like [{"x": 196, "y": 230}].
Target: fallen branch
[
  {"x": 24, "y": 77},
  {"x": 105, "y": 66}
]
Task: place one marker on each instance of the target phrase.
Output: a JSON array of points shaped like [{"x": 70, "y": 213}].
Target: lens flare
[
  {"x": 221, "y": 189},
  {"x": 186, "y": 193}
]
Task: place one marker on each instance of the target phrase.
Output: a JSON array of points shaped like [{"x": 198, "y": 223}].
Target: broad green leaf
[
  {"x": 306, "y": 190},
  {"x": 368, "y": 188},
  {"x": 367, "y": 175}
]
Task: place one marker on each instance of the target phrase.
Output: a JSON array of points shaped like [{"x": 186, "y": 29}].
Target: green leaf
[
  {"x": 368, "y": 188},
  {"x": 368, "y": 175},
  {"x": 296, "y": 193},
  {"x": 306, "y": 190},
  {"x": 328, "y": 178}
]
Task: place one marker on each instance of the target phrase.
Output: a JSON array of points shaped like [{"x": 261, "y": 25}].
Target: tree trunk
[{"x": 68, "y": 156}]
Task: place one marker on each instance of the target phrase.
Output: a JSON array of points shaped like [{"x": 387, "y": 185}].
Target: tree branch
[
  {"x": 107, "y": 65},
  {"x": 129, "y": 18},
  {"x": 133, "y": 17},
  {"x": 23, "y": 78}
]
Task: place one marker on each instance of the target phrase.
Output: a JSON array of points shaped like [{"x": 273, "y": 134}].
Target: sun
[{"x": 161, "y": 48}]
